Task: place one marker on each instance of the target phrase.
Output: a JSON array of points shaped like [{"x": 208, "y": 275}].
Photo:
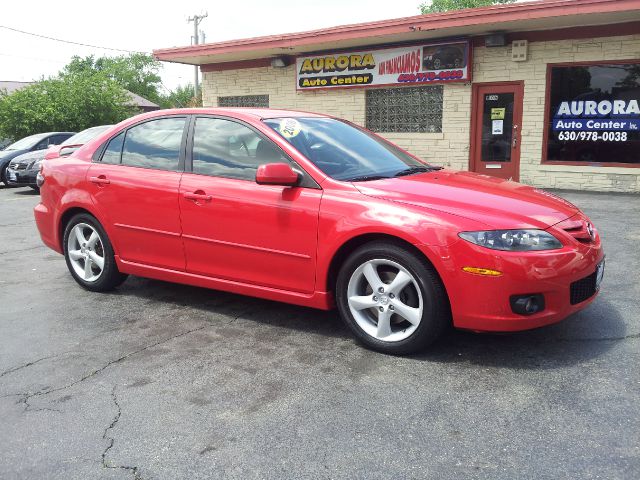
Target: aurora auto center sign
[
  {"x": 406, "y": 65},
  {"x": 590, "y": 115}
]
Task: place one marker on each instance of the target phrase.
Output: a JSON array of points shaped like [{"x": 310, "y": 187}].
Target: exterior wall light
[
  {"x": 279, "y": 62},
  {"x": 495, "y": 40}
]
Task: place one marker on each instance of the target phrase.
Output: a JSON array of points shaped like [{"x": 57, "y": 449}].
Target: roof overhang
[{"x": 517, "y": 17}]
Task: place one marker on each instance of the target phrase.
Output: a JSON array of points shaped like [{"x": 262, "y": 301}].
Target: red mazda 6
[{"x": 313, "y": 210}]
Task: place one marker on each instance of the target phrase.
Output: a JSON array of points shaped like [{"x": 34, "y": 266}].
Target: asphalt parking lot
[{"x": 164, "y": 381}]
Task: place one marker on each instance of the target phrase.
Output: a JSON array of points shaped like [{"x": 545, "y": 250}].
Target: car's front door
[
  {"x": 135, "y": 186},
  {"x": 237, "y": 230}
]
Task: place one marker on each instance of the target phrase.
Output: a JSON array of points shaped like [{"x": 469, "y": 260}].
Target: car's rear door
[
  {"x": 135, "y": 185},
  {"x": 235, "y": 229}
]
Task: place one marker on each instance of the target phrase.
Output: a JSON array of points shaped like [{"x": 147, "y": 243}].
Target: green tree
[
  {"x": 436, "y": 6},
  {"x": 136, "y": 72},
  {"x": 69, "y": 102},
  {"x": 181, "y": 97}
]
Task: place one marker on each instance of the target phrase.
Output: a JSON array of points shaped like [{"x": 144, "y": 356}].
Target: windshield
[
  {"x": 26, "y": 142},
  {"x": 85, "y": 135},
  {"x": 343, "y": 151}
]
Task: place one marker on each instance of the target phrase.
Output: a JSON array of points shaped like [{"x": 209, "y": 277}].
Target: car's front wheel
[
  {"x": 391, "y": 299},
  {"x": 89, "y": 254}
]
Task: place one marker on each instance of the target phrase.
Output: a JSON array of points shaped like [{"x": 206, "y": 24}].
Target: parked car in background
[
  {"x": 72, "y": 144},
  {"x": 40, "y": 141},
  {"x": 23, "y": 169},
  {"x": 316, "y": 211}
]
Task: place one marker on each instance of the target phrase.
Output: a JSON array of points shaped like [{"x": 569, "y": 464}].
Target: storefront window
[
  {"x": 255, "y": 101},
  {"x": 411, "y": 109},
  {"x": 594, "y": 114}
]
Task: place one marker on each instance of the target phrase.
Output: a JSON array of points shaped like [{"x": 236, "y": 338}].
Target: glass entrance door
[{"x": 497, "y": 111}]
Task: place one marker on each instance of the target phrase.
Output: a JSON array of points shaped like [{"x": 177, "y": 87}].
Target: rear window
[{"x": 85, "y": 135}]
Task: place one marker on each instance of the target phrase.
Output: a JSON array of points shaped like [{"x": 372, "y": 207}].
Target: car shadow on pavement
[
  {"x": 581, "y": 337},
  {"x": 584, "y": 336},
  {"x": 28, "y": 192},
  {"x": 235, "y": 307}
]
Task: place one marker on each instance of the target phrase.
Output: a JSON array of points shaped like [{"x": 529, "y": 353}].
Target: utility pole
[{"x": 196, "y": 19}]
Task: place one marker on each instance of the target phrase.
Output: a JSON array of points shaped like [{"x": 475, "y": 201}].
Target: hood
[
  {"x": 500, "y": 204},
  {"x": 7, "y": 155},
  {"x": 29, "y": 157}
]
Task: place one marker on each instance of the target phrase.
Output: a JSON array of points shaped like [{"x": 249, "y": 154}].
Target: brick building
[{"x": 546, "y": 92}]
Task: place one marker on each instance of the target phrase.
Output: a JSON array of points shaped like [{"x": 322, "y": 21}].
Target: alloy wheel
[
  {"x": 86, "y": 252},
  {"x": 385, "y": 300}
]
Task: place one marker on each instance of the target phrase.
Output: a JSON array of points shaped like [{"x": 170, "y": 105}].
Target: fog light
[{"x": 527, "y": 304}]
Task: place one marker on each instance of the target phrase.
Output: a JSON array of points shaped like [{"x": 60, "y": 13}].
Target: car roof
[
  {"x": 236, "y": 112},
  {"x": 264, "y": 112}
]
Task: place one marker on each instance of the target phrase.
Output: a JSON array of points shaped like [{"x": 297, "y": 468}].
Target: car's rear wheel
[
  {"x": 391, "y": 299},
  {"x": 89, "y": 254}
]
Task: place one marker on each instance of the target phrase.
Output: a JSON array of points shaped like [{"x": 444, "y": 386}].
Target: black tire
[
  {"x": 35, "y": 188},
  {"x": 436, "y": 316},
  {"x": 3, "y": 175},
  {"x": 110, "y": 276}
]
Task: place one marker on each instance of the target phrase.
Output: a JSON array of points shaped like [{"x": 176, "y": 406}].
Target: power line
[{"x": 68, "y": 41}]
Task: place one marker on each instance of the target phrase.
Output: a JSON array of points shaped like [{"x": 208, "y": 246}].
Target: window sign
[
  {"x": 594, "y": 114},
  {"x": 410, "y": 65}
]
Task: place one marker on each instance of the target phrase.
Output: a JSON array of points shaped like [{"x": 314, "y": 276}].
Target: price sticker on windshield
[{"x": 289, "y": 127}]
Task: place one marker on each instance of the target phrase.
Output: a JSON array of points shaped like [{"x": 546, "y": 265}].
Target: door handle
[
  {"x": 198, "y": 197},
  {"x": 100, "y": 180}
]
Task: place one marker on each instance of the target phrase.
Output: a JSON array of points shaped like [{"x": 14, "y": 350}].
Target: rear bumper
[
  {"x": 482, "y": 303},
  {"x": 44, "y": 222}
]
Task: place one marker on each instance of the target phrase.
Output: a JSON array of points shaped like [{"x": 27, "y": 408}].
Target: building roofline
[{"x": 489, "y": 16}]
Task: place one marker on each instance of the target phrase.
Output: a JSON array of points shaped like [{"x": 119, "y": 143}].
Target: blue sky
[{"x": 145, "y": 25}]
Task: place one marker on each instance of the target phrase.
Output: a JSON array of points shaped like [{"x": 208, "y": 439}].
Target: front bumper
[
  {"x": 482, "y": 303},
  {"x": 21, "y": 177}
]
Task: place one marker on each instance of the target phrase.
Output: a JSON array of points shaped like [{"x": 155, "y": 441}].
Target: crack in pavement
[
  {"x": 600, "y": 339},
  {"x": 28, "y": 364},
  {"x": 38, "y": 247},
  {"x": 16, "y": 224},
  {"x": 27, "y": 396},
  {"x": 133, "y": 470}
]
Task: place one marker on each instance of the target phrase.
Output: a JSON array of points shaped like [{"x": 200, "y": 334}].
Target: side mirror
[{"x": 277, "y": 174}]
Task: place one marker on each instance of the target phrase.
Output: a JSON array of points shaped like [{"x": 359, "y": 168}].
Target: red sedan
[{"x": 312, "y": 210}]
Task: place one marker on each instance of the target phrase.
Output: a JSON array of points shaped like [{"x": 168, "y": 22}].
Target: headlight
[
  {"x": 35, "y": 164},
  {"x": 513, "y": 240}
]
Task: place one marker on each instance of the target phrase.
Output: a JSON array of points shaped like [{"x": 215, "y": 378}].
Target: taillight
[{"x": 40, "y": 177}]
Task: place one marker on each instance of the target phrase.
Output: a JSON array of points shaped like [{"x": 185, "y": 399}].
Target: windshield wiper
[
  {"x": 366, "y": 178},
  {"x": 417, "y": 169}
]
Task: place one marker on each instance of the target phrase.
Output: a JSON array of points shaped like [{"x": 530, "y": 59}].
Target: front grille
[
  {"x": 578, "y": 230},
  {"x": 583, "y": 289}
]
